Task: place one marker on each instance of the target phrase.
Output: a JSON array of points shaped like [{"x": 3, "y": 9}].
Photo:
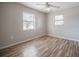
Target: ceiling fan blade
[
  {"x": 48, "y": 5},
  {"x": 54, "y": 6},
  {"x": 40, "y": 4}
]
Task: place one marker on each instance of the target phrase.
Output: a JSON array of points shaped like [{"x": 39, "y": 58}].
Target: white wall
[
  {"x": 12, "y": 24},
  {"x": 70, "y": 29}
]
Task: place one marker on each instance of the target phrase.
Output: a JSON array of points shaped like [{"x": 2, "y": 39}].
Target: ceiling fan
[{"x": 48, "y": 5}]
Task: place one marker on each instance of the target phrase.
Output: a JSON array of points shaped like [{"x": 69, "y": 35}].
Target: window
[
  {"x": 28, "y": 21},
  {"x": 59, "y": 20}
]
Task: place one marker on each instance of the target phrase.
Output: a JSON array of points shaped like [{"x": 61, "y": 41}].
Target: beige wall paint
[
  {"x": 0, "y": 25},
  {"x": 12, "y": 24},
  {"x": 70, "y": 28}
]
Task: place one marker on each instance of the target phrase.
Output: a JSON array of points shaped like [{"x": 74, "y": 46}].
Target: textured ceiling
[{"x": 43, "y": 8}]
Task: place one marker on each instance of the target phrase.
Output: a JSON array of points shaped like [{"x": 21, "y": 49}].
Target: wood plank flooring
[{"x": 43, "y": 47}]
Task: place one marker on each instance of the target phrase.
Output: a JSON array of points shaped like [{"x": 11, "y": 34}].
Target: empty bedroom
[{"x": 39, "y": 29}]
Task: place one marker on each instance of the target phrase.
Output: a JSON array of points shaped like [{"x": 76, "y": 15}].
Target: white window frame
[
  {"x": 28, "y": 18},
  {"x": 59, "y": 19}
]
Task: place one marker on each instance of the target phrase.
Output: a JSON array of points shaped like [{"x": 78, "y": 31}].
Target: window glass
[{"x": 28, "y": 21}]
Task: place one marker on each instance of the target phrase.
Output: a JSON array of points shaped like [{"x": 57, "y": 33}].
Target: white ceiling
[{"x": 42, "y": 8}]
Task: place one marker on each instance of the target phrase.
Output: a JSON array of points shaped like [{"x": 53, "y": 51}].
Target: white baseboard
[
  {"x": 67, "y": 38},
  {"x": 21, "y": 41},
  {"x": 38, "y": 37}
]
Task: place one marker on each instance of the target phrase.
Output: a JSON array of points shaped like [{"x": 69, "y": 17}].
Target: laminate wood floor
[{"x": 43, "y": 47}]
